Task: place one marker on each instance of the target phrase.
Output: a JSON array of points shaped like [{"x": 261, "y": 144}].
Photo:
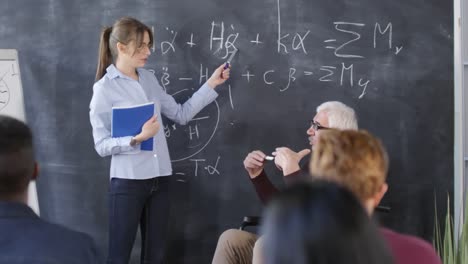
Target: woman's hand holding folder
[{"x": 149, "y": 129}]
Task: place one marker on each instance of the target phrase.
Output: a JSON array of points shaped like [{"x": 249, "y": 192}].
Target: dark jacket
[{"x": 26, "y": 238}]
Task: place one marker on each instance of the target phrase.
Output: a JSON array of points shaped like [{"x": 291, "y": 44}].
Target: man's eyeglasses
[{"x": 316, "y": 126}]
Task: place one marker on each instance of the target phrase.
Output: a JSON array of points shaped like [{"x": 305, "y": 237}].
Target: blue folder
[{"x": 128, "y": 121}]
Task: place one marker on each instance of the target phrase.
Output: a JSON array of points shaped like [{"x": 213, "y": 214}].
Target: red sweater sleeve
[
  {"x": 295, "y": 177},
  {"x": 264, "y": 188}
]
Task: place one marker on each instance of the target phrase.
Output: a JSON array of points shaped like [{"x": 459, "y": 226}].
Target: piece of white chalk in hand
[{"x": 269, "y": 158}]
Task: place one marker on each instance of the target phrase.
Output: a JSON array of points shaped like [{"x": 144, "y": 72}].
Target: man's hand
[
  {"x": 253, "y": 163},
  {"x": 288, "y": 160}
]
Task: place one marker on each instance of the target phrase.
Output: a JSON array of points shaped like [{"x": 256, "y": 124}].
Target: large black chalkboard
[{"x": 390, "y": 60}]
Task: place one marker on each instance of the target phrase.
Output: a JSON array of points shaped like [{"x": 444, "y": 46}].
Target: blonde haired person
[
  {"x": 358, "y": 161},
  {"x": 355, "y": 159}
]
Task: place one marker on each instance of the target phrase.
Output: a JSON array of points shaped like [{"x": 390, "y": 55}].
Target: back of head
[
  {"x": 355, "y": 159},
  {"x": 321, "y": 223},
  {"x": 124, "y": 30},
  {"x": 340, "y": 116},
  {"x": 16, "y": 157}
]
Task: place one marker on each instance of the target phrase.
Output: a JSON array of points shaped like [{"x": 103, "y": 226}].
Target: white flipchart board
[{"x": 12, "y": 102}]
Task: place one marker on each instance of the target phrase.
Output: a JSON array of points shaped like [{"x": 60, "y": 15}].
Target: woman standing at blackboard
[{"x": 138, "y": 192}]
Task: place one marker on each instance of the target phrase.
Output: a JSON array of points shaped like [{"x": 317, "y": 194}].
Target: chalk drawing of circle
[
  {"x": 180, "y": 147},
  {"x": 4, "y": 94}
]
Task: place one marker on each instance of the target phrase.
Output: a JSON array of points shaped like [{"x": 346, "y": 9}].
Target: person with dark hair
[
  {"x": 320, "y": 223},
  {"x": 24, "y": 236},
  {"x": 139, "y": 186}
]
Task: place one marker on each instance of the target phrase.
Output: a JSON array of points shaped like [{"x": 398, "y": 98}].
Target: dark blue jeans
[{"x": 133, "y": 203}]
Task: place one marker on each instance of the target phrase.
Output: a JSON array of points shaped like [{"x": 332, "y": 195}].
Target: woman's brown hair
[{"x": 124, "y": 30}]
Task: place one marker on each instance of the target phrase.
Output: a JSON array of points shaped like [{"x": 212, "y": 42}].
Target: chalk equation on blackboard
[
  {"x": 201, "y": 164},
  {"x": 220, "y": 39},
  {"x": 196, "y": 134},
  {"x": 342, "y": 73},
  {"x": 346, "y": 42},
  {"x": 350, "y": 42}
]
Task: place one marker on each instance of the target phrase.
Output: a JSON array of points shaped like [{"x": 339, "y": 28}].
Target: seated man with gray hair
[{"x": 237, "y": 246}]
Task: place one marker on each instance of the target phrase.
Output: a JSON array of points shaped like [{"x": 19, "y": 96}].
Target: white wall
[{"x": 461, "y": 108}]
